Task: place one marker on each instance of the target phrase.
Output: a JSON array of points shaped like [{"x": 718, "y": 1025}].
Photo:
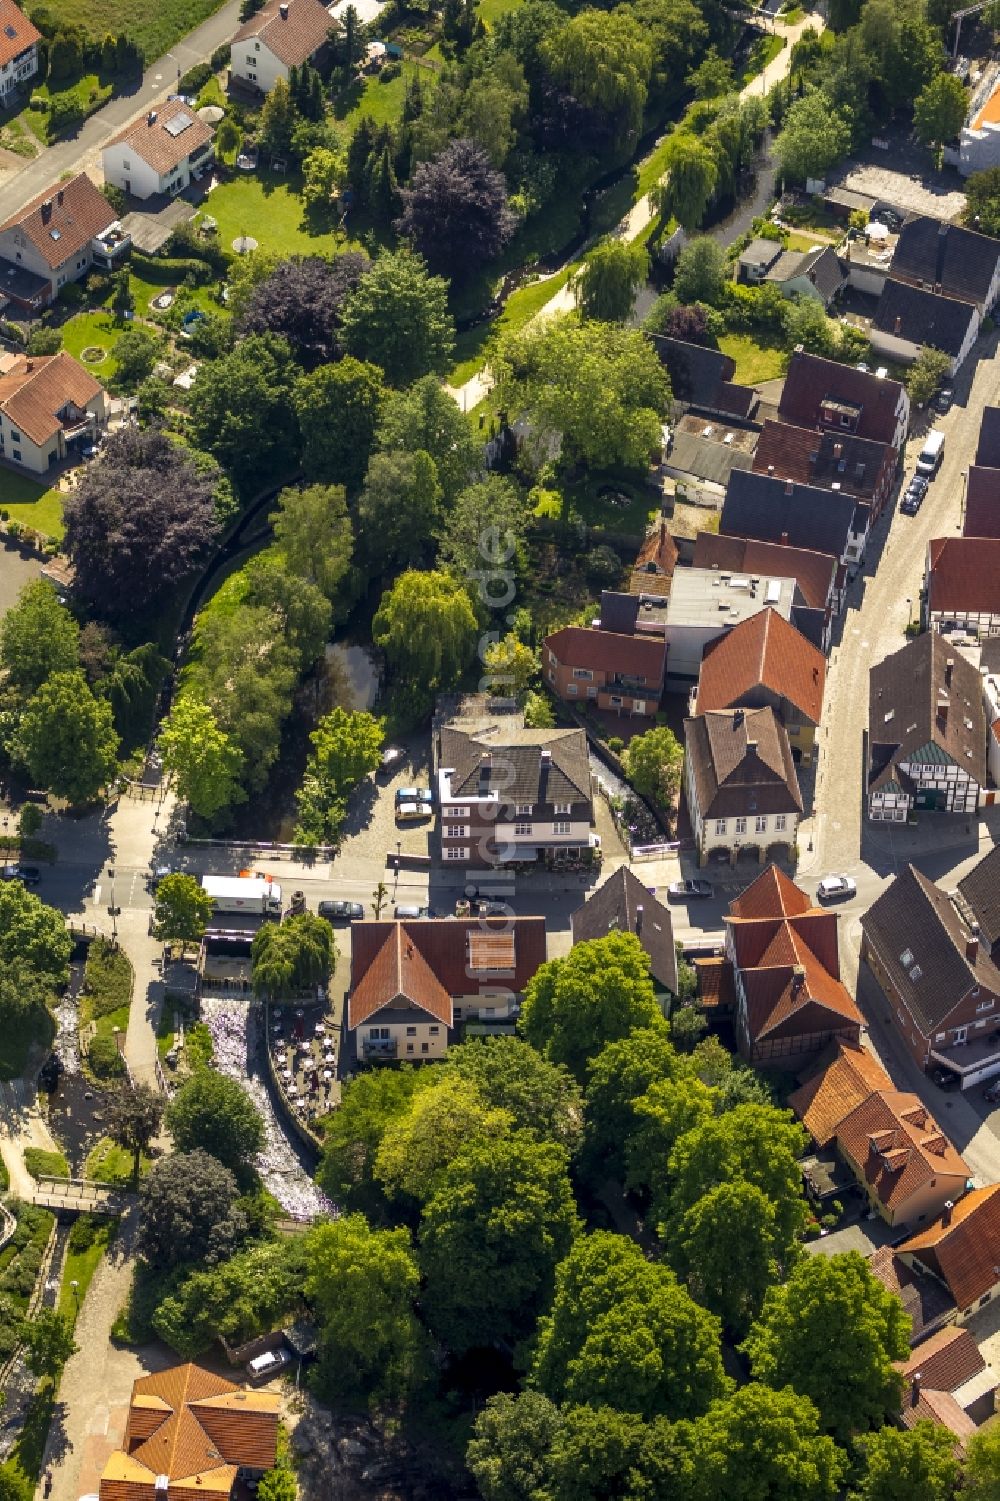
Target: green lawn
[
  {"x": 43, "y": 1164},
  {"x": 267, "y": 206},
  {"x": 754, "y": 362},
  {"x": 599, "y": 510},
  {"x": 36, "y": 506},
  {"x": 799, "y": 241},
  {"x": 110, "y": 1163},
  {"x": 155, "y": 27},
  {"x": 488, "y": 11},
  {"x": 93, "y": 331},
  {"x": 765, "y": 50},
  {"x": 383, "y": 101},
  {"x": 521, "y": 307},
  {"x": 82, "y": 1261}
]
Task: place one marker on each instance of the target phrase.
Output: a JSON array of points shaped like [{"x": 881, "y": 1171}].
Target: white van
[
  {"x": 262, "y": 1367},
  {"x": 932, "y": 453}
]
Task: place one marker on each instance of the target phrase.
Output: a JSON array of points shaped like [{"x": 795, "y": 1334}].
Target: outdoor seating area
[{"x": 304, "y": 1052}]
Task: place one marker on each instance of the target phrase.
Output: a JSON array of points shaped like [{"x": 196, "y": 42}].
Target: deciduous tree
[
  {"x": 542, "y": 1097},
  {"x": 926, "y": 374},
  {"x": 189, "y": 1211},
  {"x": 38, "y": 637},
  {"x": 347, "y": 746},
  {"x": 133, "y": 1116},
  {"x": 455, "y": 210},
  {"x": 370, "y": 1102},
  {"x": 509, "y": 1454},
  {"x": 425, "y": 418},
  {"x": 313, "y": 534},
  {"x": 813, "y": 138},
  {"x": 485, "y": 528},
  {"x": 141, "y": 517},
  {"x": 654, "y": 762},
  {"x": 201, "y": 757},
  {"x": 183, "y": 909},
  {"x": 600, "y": 992},
  {"x": 418, "y": 1146},
  {"x": 292, "y": 957},
  {"x": 398, "y": 317},
  {"x": 727, "y": 1250},
  {"x": 981, "y": 1477},
  {"x": 33, "y": 936},
  {"x": 426, "y": 627},
  {"x": 604, "y": 59},
  {"x": 510, "y": 667},
  {"x": 759, "y": 1442},
  {"x": 691, "y": 178},
  {"x": 213, "y": 1113},
  {"x": 617, "y": 1079},
  {"x": 916, "y": 1464},
  {"x": 624, "y": 1333},
  {"x": 939, "y": 110},
  {"x": 48, "y": 1342},
  {"x": 338, "y": 408},
  {"x": 66, "y": 739},
  {"x": 491, "y": 1237},
  {"x": 399, "y": 507},
  {"x": 241, "y": 409},
  {"x": 834, "y": 1304},
  {"x": 701, "y": 272},
  {"x": 609, "y": 279}
]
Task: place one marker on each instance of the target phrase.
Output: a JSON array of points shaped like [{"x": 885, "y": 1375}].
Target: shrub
[
  {"x": 195, "y": 79},
  {"x": 616, "y": 744},
  {"x": 83, "y": 1233},
  {"x": 107, "y": 978},
  {"x": 104, "y": 1058},
  {"x": 41, "y": 1163}
]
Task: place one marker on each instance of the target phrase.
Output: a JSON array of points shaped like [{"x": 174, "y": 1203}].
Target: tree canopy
[
  {"x": 338, "y": 408},
  {"x": 189, "y": 1211},
  {"x": 293, "y": 956},
  {"x": 455, "y": 210},
  {"x": 426, "y": 626},
  {"x": 66, "y": 738},
  {"x": 33, "y": 935},
  {"x": 301, "y": 300},
  {"x": 182, "y": 910},
  {"x": 38, "y": 637},
  {"x": 397, "y": 317},
  {"x": 200, "y": 756},
  {"x": 214, "y": 1114}
]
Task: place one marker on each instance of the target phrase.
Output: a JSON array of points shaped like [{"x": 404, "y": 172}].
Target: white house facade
[{"x": 160, "y": 153}]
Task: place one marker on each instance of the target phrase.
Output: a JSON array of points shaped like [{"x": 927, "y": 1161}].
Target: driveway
[{"x": 15, "y": 572}]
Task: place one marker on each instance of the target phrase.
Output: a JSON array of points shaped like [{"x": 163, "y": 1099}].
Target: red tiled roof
[
  {"x": 16, "y": 32},
  {"x": 77, "y": 211},
  {"x": 964, "y": 1248},
  {"x": 428, "y": 962},
  {"x": 658, "y": 554},
  {"x": 832, "y": 1093},
  {"x": 716, "y": 984},
  {"x": 605, "y": 651},
  {"x": 38, "y": 387},
  {"x": 814, "y": 572},
  {"x": 763, "y": 651},
  {"x": 809, "y": 457},
  {"x": 812, "y": 380},
  {"x": 151, "y": 141},
  {"x": 942, "y": 1409},
  {"x": 945, "y": 1361},
  {"x": 964, "y": 574},
  {"x": 982, "y": 503},
  {"x": 772, "y": 894},
  {"x": 898, "y": 1147},
  {"x": 293, "y": 36}
]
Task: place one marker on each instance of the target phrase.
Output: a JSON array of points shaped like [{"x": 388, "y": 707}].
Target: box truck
[
  {"x": 932, "y": 453},
  {"x": 244, "y": 894}
]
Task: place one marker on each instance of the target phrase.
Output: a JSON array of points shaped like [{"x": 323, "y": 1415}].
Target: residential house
[
  {"x": 160, "y": 152},
  {"x": 942, "y": 986},
  {"x": 816, "y": 576},
  {"x": 771, "y": 509},
  {"x": 949, "y": 1383},
  {"x": 908, "y": 318},
  {"x": 740, "y": 783},
  {"x": 978, "y": 901},
  {"x": 831, "y": 397},
  {"x": 701, "y": 379},
  {"x": 861, "y": 467},
  {"x": 643, "y": 615},
  {"x": 979, "y": 138},
  {"x": 50, "y": 409},
  {"x": 925, "y": 1299},
  {"x": 989, "y": 672},
  {"x": 412, "y": 981},
  {"x": 926, "y": 732},
  {"x": 895, "y": 1151},
  {"x": 655, "y": 562},
  {"x": 19, "y": 40},
  {"x": 704, "y": 603},
  {"x": 622, "y": 904},
  {"x": 190, "y": 1432},
  {"x": 812, "y": 273},
  {"x": 282, "y": 35},
  {"x": 757, "y": 259},
  {"x": 623, "y": 674},
  {"x": 981, "y": 516},
  {"x": 949, "y": 259},
  {"x": 56, "y": 238},
  {"x": 785, "y": 969},
  {"x": 702, "y": 454},
  {"x": 962, "y": 585},
  {"x": 766, "y": 663},
  {"x": 988, "y": 449},
  {"x": 961, "y": 1250},
  {"x": 513, "y": 795}
]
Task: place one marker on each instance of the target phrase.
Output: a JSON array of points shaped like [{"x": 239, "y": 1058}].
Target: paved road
[
  {"x": 81, "y": 151},
  {"x": 642, "y": 213}
]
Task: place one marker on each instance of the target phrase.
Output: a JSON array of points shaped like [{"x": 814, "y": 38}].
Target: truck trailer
[{"x": 244, "y": 894}]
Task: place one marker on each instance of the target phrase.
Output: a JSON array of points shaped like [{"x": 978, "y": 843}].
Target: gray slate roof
[
  {"x": 614, "y": 908},
  {"x": 742, "y": 763},
  {"x": 960, "y": 261},
  {"x": 923, "y": 317},
  {"x": 517, "y": 771},
  {"x": 905, "y": 693},
  {"x": 980, "y": 895},
  {"x": 776, "y": 510}
]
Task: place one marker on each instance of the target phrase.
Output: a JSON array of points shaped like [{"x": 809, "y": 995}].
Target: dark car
[
  {"x": 340, "y": 911},
  {"x": 28, "y": 875},
  {"x": 944, "y": 1078},
  {"x": 492, "y": 909},
  {"x": 683, "y": 891},
  {"x": 943, "y": 400},
  {"x": 910, "y": 504}
]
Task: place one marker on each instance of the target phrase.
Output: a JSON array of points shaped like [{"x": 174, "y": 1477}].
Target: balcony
[
  {"x": 977, "y": 1059},
  {"x": 111, "y": 246},
  {"x": 84, "y": 428},
  {"x": 379, "y": 1047},
  {"x": 621, "y": 683}
]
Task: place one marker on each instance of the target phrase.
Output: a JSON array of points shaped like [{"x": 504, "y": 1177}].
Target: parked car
[
  {"x": 910, "y": 504},
  {"x": 28, "y": 875},
  {"x": 944, "y": 1078},
  {"x": 685, "y": 891},
  {"x": 943, "y": 400},
  {"x": 992, "y": 1093},
  {"x": 836, "y": 889},
  {"x": 492, "y": 909},
  {"x": 340, "y": 911},
  {"x": 263, "y": 1367},
  {"x": 414, "y": 795},
  {"x": 391, "y": 757},
  {"x": 407, "y": 912},
  {"x": 918, "y": 485},
  {"x": 412, "y": 812}
]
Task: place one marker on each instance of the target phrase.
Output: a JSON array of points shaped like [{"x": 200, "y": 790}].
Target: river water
[{"x": 235, "y": 1025}]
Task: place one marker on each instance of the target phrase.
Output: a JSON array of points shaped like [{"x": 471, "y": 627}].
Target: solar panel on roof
[{"x": 178, "y": 123}]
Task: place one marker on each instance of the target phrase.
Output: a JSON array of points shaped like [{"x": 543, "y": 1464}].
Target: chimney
[
  {"x": 29, "y": 365},
  {"x": 946, "y": 1212},
  {"x": 899, "y": 326},
  {"x": 784, "y": 539},
  {"x": 972, "y": 943},
  {"x": 737, "y": 718},
  {"x": 59, "y": 196},
  {"x": 770, "y": 468},
  {"x": 751, "y": 747},
  {"x": 638, "y": 921},
  {"x": 46, "y": 210},
  {"x": 948, "y": 668},
  {"x": 151, "y": 117},
  {"x": 283, "y": 11},
  {"x": 838, "y": 449},
  {"x": 546, "y": 758},
  {"x": 162, "y": 1486},
  {"x": 485, "y": 758},
  {"x": 798, "y": 979},
  {"x": 789, "y": 487},
  {"x": 915, "y": 1381}
]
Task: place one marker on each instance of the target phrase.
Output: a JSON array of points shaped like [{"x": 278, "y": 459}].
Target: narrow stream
[
  {"x": 235, "y": 1028},
  {"x": 75, "y": 1107}
]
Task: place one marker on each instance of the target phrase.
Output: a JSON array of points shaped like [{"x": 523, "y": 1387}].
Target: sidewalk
[{"x": 82, "y": 151}]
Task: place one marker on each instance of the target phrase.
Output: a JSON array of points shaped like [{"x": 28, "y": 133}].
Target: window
[
  {"x": 721, "y": 825},
  {"x": 434, "y": 1031},
  {"x": 906, "y": 958},
  {"x": 760, "y": 825},
  {"x": 741, "y": 826},
  {"x": 985, "y": 1005},
  {"x": 523, "y": 828},
  {"x": 455, "y": 812},
  {"x": 916, "y": 973},
  {"x": 15, "y": 437},
  {"x": 379, "y": 1034},
  {"x": 128, "y": 168},
  {"x": 779, "y": 823},
  {"x": 572, "y": 690},
  {"x": 560, "y": 828},
  {"x": 940, "y": 1036},
  {"x": 558, "y": 808},
  {"x": 425, "y": 1047},
  {"x": 584, "y": 673},
  {"x": 456, "y": 852},
  {"x": 455, "y": 831},
  {"x": 17, "y": 454},
  {"x": 409, "y": 1047},
  {"x": 523, "y": 810},
  {"x": 256, "y": 46},
  {"x": 251, "y": 62},
  {"x": 411, "y": 1031}
]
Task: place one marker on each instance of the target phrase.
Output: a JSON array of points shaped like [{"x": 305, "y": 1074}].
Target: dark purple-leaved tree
[
  {"x": 142, "y": 516},
  {"x": 455, "y": 210},
  {"x": 302, "y": 299}
]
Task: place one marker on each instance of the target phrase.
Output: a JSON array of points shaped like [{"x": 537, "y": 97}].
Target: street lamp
[
  {"x": 76, "y": 1293},
  {"x": 909, "y": 612},
  {"x": 113, "y": 912}
]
